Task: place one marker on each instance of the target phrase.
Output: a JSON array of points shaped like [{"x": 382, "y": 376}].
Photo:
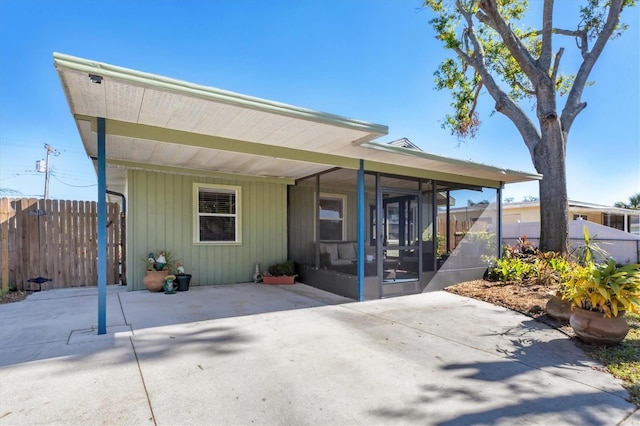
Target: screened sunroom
[{"x": 412, "y": 241}]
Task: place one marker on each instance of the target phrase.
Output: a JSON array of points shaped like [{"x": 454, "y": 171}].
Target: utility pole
[{"x": 42, "y": 166}]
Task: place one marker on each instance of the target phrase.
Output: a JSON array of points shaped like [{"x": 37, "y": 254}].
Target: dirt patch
[
  {"x": 529, "y": 299},
  {"x": 14, "y": 296}
]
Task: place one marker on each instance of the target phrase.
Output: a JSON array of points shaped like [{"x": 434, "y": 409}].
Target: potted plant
[
  {"x": 584, "y": 254},
  {"x": 182, "y": 279},
  {"x": 157, "y": 268},
  {"x": 280, "y": 273},
  {"x": 600, "y": 294}
]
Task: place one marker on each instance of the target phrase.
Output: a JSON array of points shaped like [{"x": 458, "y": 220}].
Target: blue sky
[{"x": 369, "y": 60}]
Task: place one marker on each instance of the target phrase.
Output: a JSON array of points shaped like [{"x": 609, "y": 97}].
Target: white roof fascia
[
  {"x": 576, "y": 205},
  {"x": 525, "y": 176},
  {"x": 602, "y": 208}
]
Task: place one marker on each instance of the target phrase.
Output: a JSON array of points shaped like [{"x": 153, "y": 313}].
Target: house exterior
[
  {"x": 626, "y": 220},
  {"x": 225, "y": 181},
  {"x": 617, "y": 230}
]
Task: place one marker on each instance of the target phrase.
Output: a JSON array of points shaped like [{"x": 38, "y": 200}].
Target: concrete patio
[{"x": 257, "y": 354}]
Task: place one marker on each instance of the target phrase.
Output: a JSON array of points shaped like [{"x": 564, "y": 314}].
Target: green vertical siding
[{"x": 160, "y": 217}]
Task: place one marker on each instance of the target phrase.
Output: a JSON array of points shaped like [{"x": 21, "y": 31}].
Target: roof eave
[
  {"x": 509, "y": 176},
  {"x": 219, "y": 95}
]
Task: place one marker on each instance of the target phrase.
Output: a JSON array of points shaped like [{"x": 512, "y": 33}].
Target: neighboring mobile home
[
  {"x": 626, "y": 220},
  {"x": 225, "y": 180}
]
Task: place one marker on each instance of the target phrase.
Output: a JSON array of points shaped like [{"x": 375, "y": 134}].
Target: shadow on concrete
[
  {"x": 44, "y": 325},
  {"x": 586, "y": 408},
  {"x": 528, "y": 397}
]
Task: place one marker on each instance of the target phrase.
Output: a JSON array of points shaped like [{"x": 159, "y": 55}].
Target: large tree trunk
[{"x": 549, "y": 160}]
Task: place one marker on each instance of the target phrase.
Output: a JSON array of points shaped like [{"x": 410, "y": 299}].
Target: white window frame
[
  {"x": 343, "y": 219},
  {"x": 208, "y": 187}
]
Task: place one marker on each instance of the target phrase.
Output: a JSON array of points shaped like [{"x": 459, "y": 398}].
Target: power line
[
  {"x": 61, "y": 173},
  {"x": 21, "y": 144},
  {"x": 74, "y": 186},
  {"x": 14, "y": 173}
]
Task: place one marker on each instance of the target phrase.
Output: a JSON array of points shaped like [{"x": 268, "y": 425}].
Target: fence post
[{"x": 4, "y": 243}]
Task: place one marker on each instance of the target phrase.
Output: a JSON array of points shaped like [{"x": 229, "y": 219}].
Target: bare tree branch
[
  {"x": 476, "y": 95},
  {"x": 571, "y": 33},
  {"x": 558, "y": 31},
  {"x": 574, "y": 105},
  {"x": 504, "y": 104},
  {"x": 513, "y": 44},
  {"x": 469, "y": 35},
  {"x": 556, "y": 64},
  {"x": 524, "y": 89},
  {"x": 547, "y": 28}
]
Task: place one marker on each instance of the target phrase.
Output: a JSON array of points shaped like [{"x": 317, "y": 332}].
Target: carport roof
[{"x": 155, "y": 122}]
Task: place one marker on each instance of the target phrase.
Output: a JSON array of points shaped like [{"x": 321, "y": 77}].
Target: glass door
[{"x": 401, "y": 236}]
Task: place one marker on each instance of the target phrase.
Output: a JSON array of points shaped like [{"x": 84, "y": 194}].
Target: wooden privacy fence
[
  {"x": 55, "y": 240},
  {"x": 457, "y": 230}
]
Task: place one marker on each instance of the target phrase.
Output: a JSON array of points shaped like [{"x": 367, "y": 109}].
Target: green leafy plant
[
  {"x": 589, "y": 250},
  {"x": 604, "y": 287},
  {"x": 511, "y": 269},
  {"x": 546, "y": 268},
  {"x": 284, "y": 268},
  {"x": 4, "y": 292}
]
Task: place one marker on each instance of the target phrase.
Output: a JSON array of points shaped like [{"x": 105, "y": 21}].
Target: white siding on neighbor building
[{"x": 622, "y": 246}]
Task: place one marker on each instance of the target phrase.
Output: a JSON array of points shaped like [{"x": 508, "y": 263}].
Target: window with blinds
[{"x": 217, "y": 214}]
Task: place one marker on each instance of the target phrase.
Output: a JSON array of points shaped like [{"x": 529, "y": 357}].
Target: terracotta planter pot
[
  {"x": 154, "y": 280},
  {"x": 558, "y": 308},
  {"x": 279, "y": 280},
  {"x": 596, "y": 329}
]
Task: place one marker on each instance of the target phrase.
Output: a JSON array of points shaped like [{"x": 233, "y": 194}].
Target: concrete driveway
[{"x": 292, "y": 355}]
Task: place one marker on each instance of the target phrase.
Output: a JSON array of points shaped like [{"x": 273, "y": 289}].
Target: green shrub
[
  {"x": 546, "y": 268},
  {"x": 552, "y": 268},
  {"x": 511, "y": 269},
  {"x": 11, "y": 287},
  {"x": 284, "y": 268}
]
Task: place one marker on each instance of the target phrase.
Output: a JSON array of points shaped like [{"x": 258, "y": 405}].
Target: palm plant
[
  {"x": 587, "y": 252},
  {"x": 634, "y": 203}
]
